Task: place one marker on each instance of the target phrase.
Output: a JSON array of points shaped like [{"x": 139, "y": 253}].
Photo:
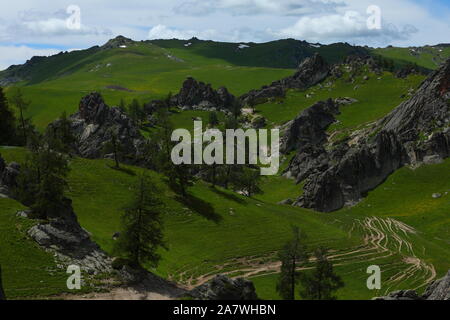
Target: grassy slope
[
  {"x": 375, "y": 98},
  {"x": 27, "y": 269}
]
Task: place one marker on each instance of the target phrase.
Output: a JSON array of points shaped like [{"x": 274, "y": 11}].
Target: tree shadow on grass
[
  {"x": 228, "y": 196},
  {"x": 203, "y": 208},
  {"x": 123, "y": 170}
]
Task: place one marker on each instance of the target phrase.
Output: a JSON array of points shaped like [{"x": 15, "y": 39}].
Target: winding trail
[{"x": 382, "y": 238}]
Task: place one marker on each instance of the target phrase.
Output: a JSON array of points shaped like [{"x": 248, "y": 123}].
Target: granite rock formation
[
  {"x": 310, "y": 72},
  {"x": 416, "y": 132},
  {"x": 94, "y": 124}
]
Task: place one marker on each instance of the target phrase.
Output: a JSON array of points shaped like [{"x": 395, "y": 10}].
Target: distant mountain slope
[
  {"x": 286, "y": 53},
  {"x": 430, "y": 57}
]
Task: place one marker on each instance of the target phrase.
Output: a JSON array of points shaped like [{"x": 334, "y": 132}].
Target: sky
[{"x": 46, "y": 27}]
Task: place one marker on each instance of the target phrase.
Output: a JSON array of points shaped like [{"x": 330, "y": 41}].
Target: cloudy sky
[{"x": 44, "y": 27}]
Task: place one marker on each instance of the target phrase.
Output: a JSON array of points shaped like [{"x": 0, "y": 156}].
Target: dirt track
[{"x": 382, "y": 238}]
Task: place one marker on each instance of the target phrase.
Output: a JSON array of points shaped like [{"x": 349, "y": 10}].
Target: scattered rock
[
  {"x": 345, "y": 101},
  {"x": 224, "y": 288},
  {"x": 287, "y": 202},
  {"x": 437, "y": 290}
]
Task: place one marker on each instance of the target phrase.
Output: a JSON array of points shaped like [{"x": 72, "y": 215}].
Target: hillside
[
  {"x": 399, "y": 224},
  {"x": 212, "y": 232}
]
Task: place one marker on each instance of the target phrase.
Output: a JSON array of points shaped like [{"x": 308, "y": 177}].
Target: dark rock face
[
  {"x": 8, "y": 176},
  {"x": 437, "y": 290},
  {"x": 93, "y": 125},
  {"x": 415, "y": 131},
  {"x": 199, "y": 94},
  {"x": 310, "y": 72},
  {"x": 2, "y": 292},
  {"x": 309, "y": 127},
  {"x": 224, "y": 288}
]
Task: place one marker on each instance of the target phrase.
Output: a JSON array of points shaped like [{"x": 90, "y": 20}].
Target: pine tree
[
  {"x": 213, "y": 119},
  {"x": 122, "y": 105},
  {"x": 323, "y": 281},
  {"x": 7, "y": 121},
  {"x": 21, "y": 105},
  {"x": 292, "y": 254},
  {"x": 142, "y": 226},
  {"x": 114, "y": 147},
  {"x": 247, "y": 180},
  {"x": 42, "y": 180},
  {"x": 60, "y": 136}
]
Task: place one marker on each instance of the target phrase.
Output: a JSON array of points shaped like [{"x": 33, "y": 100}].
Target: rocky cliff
[{"x": 416, "y": 132}]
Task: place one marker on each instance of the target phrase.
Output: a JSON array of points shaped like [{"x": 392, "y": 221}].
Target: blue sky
[{"x": 38, "y": 27}]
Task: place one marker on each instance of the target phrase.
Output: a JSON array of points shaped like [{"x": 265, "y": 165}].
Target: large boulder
[
  {"x": 95, "y": 123},
  {"x": 224, "y": 288},
  {"x": 198, "y": 94},
  {"x": 415, "y": 132}
]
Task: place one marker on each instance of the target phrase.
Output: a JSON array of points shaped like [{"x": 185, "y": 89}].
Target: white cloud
[
  {"x": 163, "y": 32},
  {"x": 350, "y": 26},
  {"x": 256, "y": 7},
  {"x": 19, "y": 54}
]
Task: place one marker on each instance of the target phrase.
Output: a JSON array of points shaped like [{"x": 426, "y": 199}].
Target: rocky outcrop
[
  {"x": 8, "y": 176},
  {"x": 118, "y": 42},
  {"x": 416, "y": 131},
  {"x": 95, "y": 123},
  {"x": 310, "y": 72},
  {"x": 63, "y": 235},
  {"x": 198, "y": 95},
  {"x": 224, "y": 288},
  {"x": 437, "y": 290}
]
